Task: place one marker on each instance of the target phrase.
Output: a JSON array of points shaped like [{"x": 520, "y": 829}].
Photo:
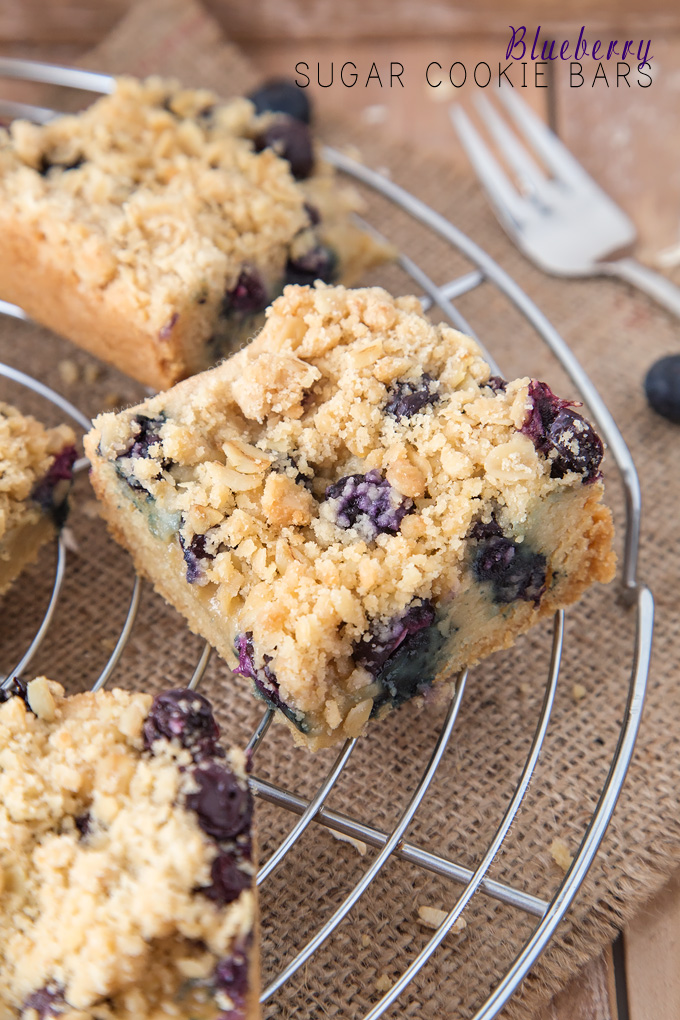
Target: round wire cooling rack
[{"x": 393, "y": 844}]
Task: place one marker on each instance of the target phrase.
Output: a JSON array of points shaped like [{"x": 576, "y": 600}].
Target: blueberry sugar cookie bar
[
  {"x": 125, "y": 859},
  {"x": 35, "y": 477},
  {"x": 155, "y": 227},
  {"x": 352, "y": 508}
]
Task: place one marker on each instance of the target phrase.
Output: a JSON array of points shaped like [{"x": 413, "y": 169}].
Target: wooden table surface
[{"x": 627, "y": 137}]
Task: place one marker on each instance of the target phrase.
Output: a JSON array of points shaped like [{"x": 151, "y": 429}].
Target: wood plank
[
  {"x": 589, "y": 996},
  {"x": 87, "y": 21},
  {"x": 374, "y": 19},
  {"x": 652, "y": 948}
]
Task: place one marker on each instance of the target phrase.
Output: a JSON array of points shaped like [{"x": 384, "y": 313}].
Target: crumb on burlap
[
  {"x": 69, "y": 372},
  {"x": 432, "y": 917},
  {"x": 578, "y": 692},
  {"x": 356, "y": 843},
  {"x": 383, "y": 983},
  {"x": 560, "y": 854}
]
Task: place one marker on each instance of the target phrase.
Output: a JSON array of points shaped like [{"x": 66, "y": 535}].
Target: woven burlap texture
[{"x": 616, "y": 334}]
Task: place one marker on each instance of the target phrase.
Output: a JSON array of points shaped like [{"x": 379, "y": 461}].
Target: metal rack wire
[{"x": 485, "y": 272}]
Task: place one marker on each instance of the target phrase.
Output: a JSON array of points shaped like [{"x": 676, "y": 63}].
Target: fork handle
[{"x": 652, "y": 283}]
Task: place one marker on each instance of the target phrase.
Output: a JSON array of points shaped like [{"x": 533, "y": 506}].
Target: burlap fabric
[{"x": 616, "y": 334}]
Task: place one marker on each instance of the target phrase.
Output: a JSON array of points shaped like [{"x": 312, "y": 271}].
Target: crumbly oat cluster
[
  {"x": 352, "y": 507},
  {"x": 35, "y": 478},
  {"x": 166, "y": 212},
  {"x": 125, "y": 859}
]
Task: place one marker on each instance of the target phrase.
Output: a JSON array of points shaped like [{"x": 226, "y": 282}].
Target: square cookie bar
[
  {"x": 351, "y": 508},
  {"x": 35, "y": 478},
  {"x": 126, "y": 859},
  {"x": 154, "y": 228}
]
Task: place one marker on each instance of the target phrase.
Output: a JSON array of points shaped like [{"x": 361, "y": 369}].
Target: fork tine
[
  {"x": 530, "y": 175},
  {"x": 510, "y": 205},
  {"x": 556, "y": 155}
]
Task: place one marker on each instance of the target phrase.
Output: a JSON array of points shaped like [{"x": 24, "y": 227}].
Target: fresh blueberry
[
  {"x": 185, "y": 716},
  {"x": 249, "y": 295},
  {"x": 46, "y": 1001},
  {"x": 514, "y": 571},
  {"x": 369, "y": 501},
  {"x": 319, "y": 263},
  {"x": 553, "y": 426},
  {"x": 662, "y": 387},
  {"x": 52, "y": 490},
  {"x": 231, "y": 977},
  {"x": 223, "y": 807},
  {"x": 290, "y": 139},
  {"x": 408, "y": 398},
  {"x": 227, "y": 880},
  {"x": 194, "y": 555},
  {"x": 576, "y": 445},
  {"x": 264, "y": 679},
  {"x": 497, "y": 383},
  {"x": 282, "y": 96}
]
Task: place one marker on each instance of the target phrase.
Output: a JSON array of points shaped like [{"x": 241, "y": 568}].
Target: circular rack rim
[{"x": 634, "y": 594}]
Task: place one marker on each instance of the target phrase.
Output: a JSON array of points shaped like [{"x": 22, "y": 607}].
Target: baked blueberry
[
  {"x": 185, "y": 716},
  {"x": 16, "y": 689},
  {"x": 279, "y": 95},
  {"x": 481, "y": 530},
  {"x": 662, "y": 386},
  {"x": 194, "y": 556},
  {"x": 514, "y": 571},
  {"x": 563, "y": 435},
  {"x": 46, "y": 164},
  {"x": 497, "y": 383},
  {"x": 46, "y": 1001},
  {"x": 318, "y": 263},
  {"x": 266, "y": 684},
  {"x": 224, "y": 808},
  {"x": 227, "y": 880},
  {"x": 372, "y": 652},
  {"x": 231, "y": 977},
  {"x": 249, "y": 296},
  {"x": 369, "y": 502},
  {"x": 408, "y": 398},
  {"x": 574, "y": 446},
  {"x": 146, "y": 434},
  {"x": 52, "y": 490},
  {"x": 290, "y": 139},
  {"x": 403, "y": 654}
]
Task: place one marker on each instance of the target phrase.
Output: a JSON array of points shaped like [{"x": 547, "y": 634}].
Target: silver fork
[{"x": 564, "y": 223}]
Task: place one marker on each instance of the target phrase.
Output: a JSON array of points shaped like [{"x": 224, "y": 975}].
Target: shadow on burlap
[{"x": 616, "y": 334}]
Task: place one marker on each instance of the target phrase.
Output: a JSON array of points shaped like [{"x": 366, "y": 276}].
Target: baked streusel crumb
[
  {"x": 352, "y": 508},
  {"x": 154, "y": 228},
  {"x": 126, "y": 871},
  {"x": 35, "y": 477}
]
